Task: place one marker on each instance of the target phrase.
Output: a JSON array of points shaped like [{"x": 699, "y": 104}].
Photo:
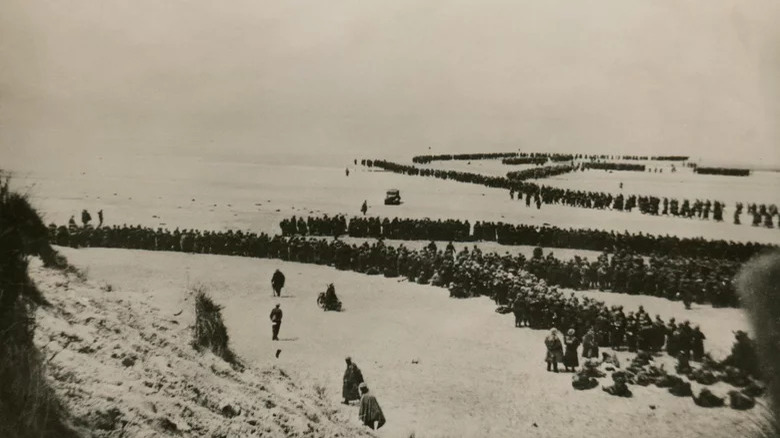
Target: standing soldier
[
  {"x": 697, "y": 344},
  {"x": 352, "y": 379},
  {"x": 276, "y": 322},
  {"x": 100, "y": 218},
  {"x": 364, "y": 208},
  {"x": 277, "y": 282},
  {"x": 85, "y": 217}
]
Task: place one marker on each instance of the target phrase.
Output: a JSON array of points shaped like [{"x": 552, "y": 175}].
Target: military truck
[{"x": 393, "y": 197}]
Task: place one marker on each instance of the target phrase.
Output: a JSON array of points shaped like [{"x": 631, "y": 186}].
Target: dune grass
[{"x": 210, "y": 330}]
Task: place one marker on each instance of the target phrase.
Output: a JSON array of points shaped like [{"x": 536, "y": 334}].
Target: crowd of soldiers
[
  {"x": 761, "y": 213},
  {"x": 721, "y": 171},
  {"x": 540, "y": 172},
  {"x": 521, "y": 234},
  {"x": 505, "y": 278},
  {"x": 538, "y": 194},
  {"x": 466, "y": 273},
  {"x": 424, "y": 159},
  {"x": 537, "y": 161},
  {"x": 699, "y": 280},
  {"x": 615, "y": 166}
]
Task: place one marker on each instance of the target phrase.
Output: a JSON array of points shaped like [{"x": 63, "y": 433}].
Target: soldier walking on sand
[
  {"x": 370, "y": 413},
  {"x": 277, "y": 283},
  {"x": 276, "y": 322}
]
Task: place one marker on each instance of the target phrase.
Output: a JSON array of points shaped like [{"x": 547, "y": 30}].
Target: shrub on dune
[{"x": 210, "y": 330}]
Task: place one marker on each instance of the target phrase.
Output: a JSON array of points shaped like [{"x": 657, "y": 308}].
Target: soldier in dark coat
[
  {"x": 554, "y": 350},
  {"x": 352, "y": 379},
  {"x": 85, "y": 217},
  {"x": 276, "y": 322},
  {"x": 370, "y": 413},
  {"x": 277, "y": 282},
  {"x": 570, "y": 359},
  {"x": 697, "y": 344},
  {"x": 590, "y": 346}
]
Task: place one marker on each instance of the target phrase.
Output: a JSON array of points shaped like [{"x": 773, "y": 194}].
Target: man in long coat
[
  {"x": 277, "y": 282},
  {"x": 276, "y": 322},
  {"x": 370, "y": 413},
  {"x": 352, "y": 380}
]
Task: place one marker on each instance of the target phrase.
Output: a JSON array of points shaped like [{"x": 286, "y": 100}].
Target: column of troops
[
  {"x": 522, "y": 234},
  {"x": 538, "y": 194}
]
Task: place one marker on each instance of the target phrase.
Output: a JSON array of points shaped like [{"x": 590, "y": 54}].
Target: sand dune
[{"x": 124, "y": 368}]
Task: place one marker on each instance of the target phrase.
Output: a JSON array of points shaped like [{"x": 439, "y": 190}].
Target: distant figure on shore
[
  {"x": 364, "y": 207},
  {"x": 352, "y": 380},
  {"x": 277, "y": 282},
  {"x": 72, "y": 222},
  {"x": 511, "y": 193},
  {"x": 370, "y": 413},
  {"x": 621, "y": 185},
  {"x": 276, "y": 322},
  {"x": 85, "y": 217},
  {"x": 347, "y": 171},
  {"x": 100, "y": 218},
  {"x": 554, "y": 350}
]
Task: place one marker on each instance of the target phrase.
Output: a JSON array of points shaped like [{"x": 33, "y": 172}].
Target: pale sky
[{"x": 193, "y": 76}]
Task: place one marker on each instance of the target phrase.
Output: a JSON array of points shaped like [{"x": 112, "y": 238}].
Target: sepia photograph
[{"x": 392, "y": 219}]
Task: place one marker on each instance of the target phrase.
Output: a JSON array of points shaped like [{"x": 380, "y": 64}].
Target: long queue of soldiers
[
  {"x": 538, "y": 195},
  {"x": 538, "y": 161},
  {"x": 540, "y": 172},
  {"x": 690, "y": 279},
  {"x": 615, "y": 166},
  {"x": 423, "y": 159},
  {"x": 721, "y": 171},
  {"x": 521, "y": 234}
]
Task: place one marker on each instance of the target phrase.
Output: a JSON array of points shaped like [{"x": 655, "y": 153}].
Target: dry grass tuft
[{"x": 210, "y": 330}]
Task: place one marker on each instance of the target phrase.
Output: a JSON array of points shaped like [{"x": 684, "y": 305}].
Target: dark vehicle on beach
[{"x": 393, "y": 197}]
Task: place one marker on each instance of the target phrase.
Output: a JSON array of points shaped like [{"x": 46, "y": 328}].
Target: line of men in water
[
  {"x": 539, "y": 194},
  {"x": 423, "y": 159},
  {"x": 465, "y": 274},
  {"x": 540, "y": 172},
  {"x": 521, "y": 234}
]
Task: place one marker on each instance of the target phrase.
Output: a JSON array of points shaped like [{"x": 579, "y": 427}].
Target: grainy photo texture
[{"x": 427, "y": 218}]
